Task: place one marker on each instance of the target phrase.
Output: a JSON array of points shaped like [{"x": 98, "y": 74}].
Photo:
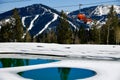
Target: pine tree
[
  {"x": 117, "y": 31},
  {"x": 110, "y": 28},
  {"x": 82, "y": 35},
  {"x": 103, "y": 34},
  {"x": 64, "y": 32},
  {"x": 51, "y": 37},
  {"x": 117, "y": 35},
  {"x": 75, "y": 37},
  {"x": 95, "y": 35},
  {"x": 13, "y": 31},
  {"x": 27, "y": 37},
  {"x": 116, "y": 28},
  {"x": 108, "y": 23},
  {"x": 18, "y": 27},
  {"x": 39, "y": 38},
  {"x": 6, "y": 32}
]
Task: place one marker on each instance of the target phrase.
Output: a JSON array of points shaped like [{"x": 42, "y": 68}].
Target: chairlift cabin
[{"x": 82, "y": 16}]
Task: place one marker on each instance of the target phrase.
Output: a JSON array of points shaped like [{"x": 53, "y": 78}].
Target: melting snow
[{"x": 99, "y": 58}]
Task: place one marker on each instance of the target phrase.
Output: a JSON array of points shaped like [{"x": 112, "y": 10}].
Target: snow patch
[
  {"x": 23, "y": 21},
  {"x": 42, "y": 13},
  {"x": 72, "y": 24},
  {"x": 45, "y": 9},
  {"x": 104, "y": 10},
  {"x": 7, "y": 20}
]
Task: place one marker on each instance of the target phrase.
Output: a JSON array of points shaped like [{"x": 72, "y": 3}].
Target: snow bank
[
  {"x": 104, "y": 59},
  {"x": 109, "y": 52}
]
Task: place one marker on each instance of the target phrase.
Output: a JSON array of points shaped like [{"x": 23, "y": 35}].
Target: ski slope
[
  {"x": 32, "y": 22},
  {"x": 46, "y": 26}
]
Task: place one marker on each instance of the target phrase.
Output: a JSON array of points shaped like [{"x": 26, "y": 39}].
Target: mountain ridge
[
  {"x": 96, "y": 12},
  {"x": 38, "y": 18}
]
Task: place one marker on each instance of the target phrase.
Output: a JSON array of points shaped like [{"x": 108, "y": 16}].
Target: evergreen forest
[{"x": 109, "y": 33}]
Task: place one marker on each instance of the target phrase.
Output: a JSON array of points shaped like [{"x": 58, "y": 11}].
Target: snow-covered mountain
[
  {"x": 98, "y": 13},
  {"x": 34, "y": 17},
  {"x": 104, "y": 10},
  {"x": 37, "y": 18}
]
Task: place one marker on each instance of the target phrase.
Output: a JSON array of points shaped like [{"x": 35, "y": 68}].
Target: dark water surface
[
  {"x": 58, "y": 73},
  {"x": 9, "y": 62},
  {"x": 54, "y": 73}
]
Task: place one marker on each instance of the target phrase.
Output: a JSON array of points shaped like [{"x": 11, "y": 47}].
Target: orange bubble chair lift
[{"x": 83, "y": 18}]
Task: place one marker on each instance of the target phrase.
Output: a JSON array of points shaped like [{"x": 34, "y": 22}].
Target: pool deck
[{"x": 103, "y": 59}]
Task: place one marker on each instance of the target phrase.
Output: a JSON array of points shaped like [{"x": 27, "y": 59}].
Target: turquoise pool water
[
  {"x": 58, "y": 73},
  {"x": 8, "y": 62},
  {"x": 53, "y": 73}
]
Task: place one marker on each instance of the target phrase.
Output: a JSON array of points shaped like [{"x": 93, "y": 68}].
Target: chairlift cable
[
  {"x": 111, "y": 1},
  {"x": 86, "y": 4}
]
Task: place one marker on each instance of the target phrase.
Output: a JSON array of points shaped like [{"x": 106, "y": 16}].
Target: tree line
[
  {"x": 13, "y": 31},
  {"x": 109, "y": 33}
]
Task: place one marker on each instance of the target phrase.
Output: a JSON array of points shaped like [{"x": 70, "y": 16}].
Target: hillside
[
  {"x": 39, "y": 18},
  {"x": 98, "y": 13},
  {"x": 36, "y": 18}
]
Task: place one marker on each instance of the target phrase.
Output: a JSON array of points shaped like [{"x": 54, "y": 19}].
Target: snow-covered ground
[{"x": 103, "y": 59}]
